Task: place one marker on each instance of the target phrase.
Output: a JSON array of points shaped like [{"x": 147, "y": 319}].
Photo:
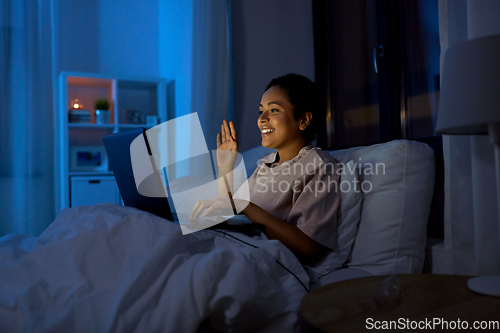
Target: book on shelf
[
  {"x": 79, "y": 121},
  {"x": 79, "y": 112},
  {"x": 79, "y": 116}
]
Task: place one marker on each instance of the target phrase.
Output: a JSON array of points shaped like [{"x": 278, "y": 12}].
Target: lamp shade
[{"x": 470, "y": 87}]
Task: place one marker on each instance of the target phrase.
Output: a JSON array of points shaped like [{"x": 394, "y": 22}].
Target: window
[{"x": 378, "y": 64}]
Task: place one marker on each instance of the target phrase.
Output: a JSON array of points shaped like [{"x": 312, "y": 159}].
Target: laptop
[{"x": 118, "y": 150}]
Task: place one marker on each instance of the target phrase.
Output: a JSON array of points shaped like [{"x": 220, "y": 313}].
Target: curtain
[
  {"x": 212, "y": 74},
  {"x": 26, "y": 126},
  {"x": 472, "y": 235}
]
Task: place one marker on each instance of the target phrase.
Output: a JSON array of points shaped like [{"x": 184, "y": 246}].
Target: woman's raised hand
[
  {"x": 227, "y": 146},
  {"x": 226, "y": 139}
]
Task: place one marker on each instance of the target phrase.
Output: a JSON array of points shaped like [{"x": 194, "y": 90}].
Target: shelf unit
[{"x": 147, "y": 94}]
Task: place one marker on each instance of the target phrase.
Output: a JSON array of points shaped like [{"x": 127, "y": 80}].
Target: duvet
[{"x": 109, "y": 268}]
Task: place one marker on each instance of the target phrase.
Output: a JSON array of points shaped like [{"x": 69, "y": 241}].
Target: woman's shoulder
[
  {"x": 319, "y": 155},
  {"x": 320, "y": 161}
]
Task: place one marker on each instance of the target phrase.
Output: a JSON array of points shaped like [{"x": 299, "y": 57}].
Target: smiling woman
[
  {"x": 291, "y": 192},
  {"x": 279, "y": 127},
  {"x": 303, "y": 96}
]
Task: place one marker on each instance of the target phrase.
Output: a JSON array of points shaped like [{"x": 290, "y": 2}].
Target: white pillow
[
  {"x": 349, "y": 212},
  {"x": 392, "y": 229},
  {"x": 348, "y": 217}
]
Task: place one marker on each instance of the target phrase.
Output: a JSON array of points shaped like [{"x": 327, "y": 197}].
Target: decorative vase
[{"x": 102, "y": 116}]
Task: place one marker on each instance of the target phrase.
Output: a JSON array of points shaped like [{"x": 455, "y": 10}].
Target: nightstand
[{"x": 349, "y": 306}]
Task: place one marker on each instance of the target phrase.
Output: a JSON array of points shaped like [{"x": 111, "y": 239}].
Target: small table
[{"x": 349, "y": 306}]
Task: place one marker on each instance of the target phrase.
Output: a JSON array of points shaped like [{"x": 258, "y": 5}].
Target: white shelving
[{"x": 123, "y": 93}]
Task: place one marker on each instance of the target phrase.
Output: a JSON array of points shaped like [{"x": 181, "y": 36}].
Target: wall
[
  {"x": 147, "y": 38},
  {"x": 109, "y": 36},
  {"x": 128, "y": 37},
  {"x": 154, "y": 38},
  {"x": 78, "y": 35},
  {"x": 269, "y": 39}
]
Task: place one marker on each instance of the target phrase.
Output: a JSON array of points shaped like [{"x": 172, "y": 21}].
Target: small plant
[{"x": 102, "y": 104}]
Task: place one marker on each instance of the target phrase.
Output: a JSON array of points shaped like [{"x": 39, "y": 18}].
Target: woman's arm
[
  {"x": 227, "y": 151},
  {"x": 307, "y": 250}
]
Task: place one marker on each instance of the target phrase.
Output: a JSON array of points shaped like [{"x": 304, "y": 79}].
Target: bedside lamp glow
[
  {"x": 470, "y": 104},
  {"x": 76, "y": 104}
]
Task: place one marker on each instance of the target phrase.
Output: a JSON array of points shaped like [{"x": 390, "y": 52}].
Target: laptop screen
[{"x": 118, "y": 149}]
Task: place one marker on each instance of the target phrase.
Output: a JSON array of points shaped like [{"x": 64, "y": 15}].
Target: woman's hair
[{"x": 303, "y": 94}]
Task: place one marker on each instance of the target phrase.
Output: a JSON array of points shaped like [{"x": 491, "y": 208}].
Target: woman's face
[{"x": 277, "y": 124}]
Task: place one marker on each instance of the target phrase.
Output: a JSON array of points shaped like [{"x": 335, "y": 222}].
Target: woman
[{"x": 291, "y": 192}]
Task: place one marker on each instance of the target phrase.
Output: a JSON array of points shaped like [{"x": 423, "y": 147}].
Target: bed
[{"x": 112, "y": 268}]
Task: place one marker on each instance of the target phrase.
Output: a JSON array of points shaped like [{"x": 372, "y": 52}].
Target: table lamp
[{"x": 470, "y": 104}]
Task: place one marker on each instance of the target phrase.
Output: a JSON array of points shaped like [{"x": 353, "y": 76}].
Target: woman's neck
[{"x": 290, "y": 151}]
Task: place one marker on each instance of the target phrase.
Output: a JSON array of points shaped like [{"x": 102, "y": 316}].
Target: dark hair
[{"x": 302, "y": 93}]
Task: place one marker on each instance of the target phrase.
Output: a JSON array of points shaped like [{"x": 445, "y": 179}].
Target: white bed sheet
[{"x": 112, "y": 268}]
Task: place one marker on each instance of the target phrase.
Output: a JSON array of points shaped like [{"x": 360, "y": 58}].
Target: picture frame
[
  {"x": 151, "y": 121},
  {"x": 136, "y": 117},
  {"x": 88, "y": 158}
]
